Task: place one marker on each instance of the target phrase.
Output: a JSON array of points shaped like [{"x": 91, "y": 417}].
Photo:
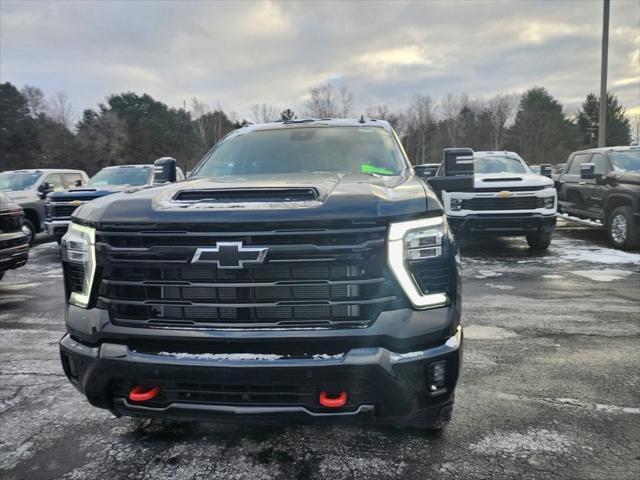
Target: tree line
[{"x": 36, "y": 132}]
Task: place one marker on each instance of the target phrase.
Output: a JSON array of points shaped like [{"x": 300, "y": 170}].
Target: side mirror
[
  {"x": 164, "y": 170},
  {"x": 587, "y": 171},
  {"x": 424, "y": 172},
  {"x": 78, "y": 183},
  {"x": 44, "y": 189},
  {"x": 545, "y": 170}
]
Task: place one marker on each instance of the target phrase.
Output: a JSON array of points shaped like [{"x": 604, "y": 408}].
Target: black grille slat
[
  {"x": 311, "y": 278},
  {"x": 57, "y": 210},
  {"x": 496, "y": 203}
]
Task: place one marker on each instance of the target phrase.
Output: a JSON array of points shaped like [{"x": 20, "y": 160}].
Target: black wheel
[
  {"x": 539, "y": 241},
  {"x": 31, "y": 231},
  {"x": 622, "y": 231}
]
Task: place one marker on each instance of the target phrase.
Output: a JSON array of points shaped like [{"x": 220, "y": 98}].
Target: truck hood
[
  {"x": 338, "y": 197},
  {"x": 85, "y": 193},
  {"x": 22, "y": 196},
  {"x": 629, "y": 178},
  {"x": 507, "y": 180}
]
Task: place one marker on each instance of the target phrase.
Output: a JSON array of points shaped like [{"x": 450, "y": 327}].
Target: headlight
[
  {"x": 78, "y": 249},
  {"x": 414, "y": 242},
  {"x": 456, "y": 204},
  {"x": 549, "y": 202}
]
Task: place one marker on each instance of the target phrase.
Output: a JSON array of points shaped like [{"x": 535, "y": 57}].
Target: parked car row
[
  {"x": 14, "y": 238},
  {"x": 35, "y": 200}
]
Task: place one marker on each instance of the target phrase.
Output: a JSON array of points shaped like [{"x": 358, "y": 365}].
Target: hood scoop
[
  {"x": 503, "y": 179},
  {"x": 247, "y": 195},
  {"x": 83, "y": 190}
]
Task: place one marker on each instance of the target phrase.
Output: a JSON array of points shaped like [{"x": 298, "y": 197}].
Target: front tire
[
  {"x": 621, "y": 229},
  {"x": 539, "y": 241},
  {"x": 31, "y": 231}
]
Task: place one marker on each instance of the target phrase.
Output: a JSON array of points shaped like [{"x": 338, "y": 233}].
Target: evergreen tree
[
  {"x": 18, "y": 133},
  {"x": 618, "y": 125},
  {"x": 541, "y": 133}
]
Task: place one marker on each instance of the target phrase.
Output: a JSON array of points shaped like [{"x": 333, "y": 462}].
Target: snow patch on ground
[
  {"x": 600, "y": 407},
  {"x": 500, "y": 287},
  {"x": 583, "y": 252},
  {"x": 553, "y": 277},
  {"x": 606, "y": 275},
  {"x": 516, "y": 444},
  {"x": 488, "y": 274},
  {"x": 485, "y": 332}
]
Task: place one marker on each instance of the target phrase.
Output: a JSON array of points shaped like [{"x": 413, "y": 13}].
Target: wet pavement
[{"x": 549, "y": 389}]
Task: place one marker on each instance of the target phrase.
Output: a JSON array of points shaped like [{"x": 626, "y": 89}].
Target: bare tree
[
  {"x": 265, "y": 113},
  {"x": 61, "y": 110},
  {"x": 382, "y": 112},
  {"x": 420, "y": 129},
  {"x": 501, "y": 109},
  {"x": 35, "y": 100},
  {"x": 635, "y": 129},
  {"x": 327, "y": 102}
]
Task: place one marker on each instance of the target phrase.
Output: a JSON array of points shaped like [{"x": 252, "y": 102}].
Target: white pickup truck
[{"x": 505, "y": 198}]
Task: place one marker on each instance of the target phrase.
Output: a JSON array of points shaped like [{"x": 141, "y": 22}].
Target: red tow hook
[
  {"x": 333, "y": 402},
  {"x": 140, "y": 394}
]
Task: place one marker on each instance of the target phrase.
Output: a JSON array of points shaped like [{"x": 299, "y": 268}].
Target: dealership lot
[{"x": 549, "y": 386}]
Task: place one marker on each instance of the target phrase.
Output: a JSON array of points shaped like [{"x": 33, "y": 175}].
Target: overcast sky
[{"x": 237, "y": 54}]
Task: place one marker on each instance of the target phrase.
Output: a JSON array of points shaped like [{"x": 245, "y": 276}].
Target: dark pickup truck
[
  {"x": 60, "y": 205},
  {"x": 14, "y": 240},
  {"x": 601, "y": 188},
  {"x": 302, "y": 273}
]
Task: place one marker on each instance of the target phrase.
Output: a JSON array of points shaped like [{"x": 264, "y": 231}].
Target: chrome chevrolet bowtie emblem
[{"x": 230, "y": 255}]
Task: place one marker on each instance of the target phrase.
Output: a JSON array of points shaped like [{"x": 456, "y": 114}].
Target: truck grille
[
  {"x": 494, "y": 203},
  {"x": 60, "y": 210},
  {"x": 321, "y": 278}
]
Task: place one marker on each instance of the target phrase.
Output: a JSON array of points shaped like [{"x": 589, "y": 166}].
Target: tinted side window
[
  {"x": 601, "y": 163},
  {"x": 69, "y": 179},
  {"x": 55, "y": 181},
  {"x": 574, "y": 169}
]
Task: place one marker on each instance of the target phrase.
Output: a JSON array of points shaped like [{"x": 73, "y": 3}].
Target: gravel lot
[{"x": 550, "y": 387}]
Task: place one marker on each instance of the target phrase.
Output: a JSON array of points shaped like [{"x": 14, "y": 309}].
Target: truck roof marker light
[
  {"x": 141, "y": 394},
  {"x": 333, "y": 401}
]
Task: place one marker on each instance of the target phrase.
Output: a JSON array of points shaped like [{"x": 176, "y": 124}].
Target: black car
[
  {"x": 14, "y": 240},
  {"x": 301, "y": 273},
  {"x": 601, "y": 187}
]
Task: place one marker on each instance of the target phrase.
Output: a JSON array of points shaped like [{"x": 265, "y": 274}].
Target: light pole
[{"x": 602, "y": 123}]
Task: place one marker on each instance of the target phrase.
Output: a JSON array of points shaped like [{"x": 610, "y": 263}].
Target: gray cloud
[{"x": 239, "y": 53}]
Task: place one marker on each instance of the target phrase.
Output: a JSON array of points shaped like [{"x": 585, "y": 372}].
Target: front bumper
[
  {"x": 503, "y": 224},
  {"x": 56, "y": 228},
  {"x": 14, "y": 250},
  {"x": 384, "y": 386}
]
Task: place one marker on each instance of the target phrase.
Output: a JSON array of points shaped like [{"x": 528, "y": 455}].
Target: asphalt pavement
[{"x": 550, "y": 387}]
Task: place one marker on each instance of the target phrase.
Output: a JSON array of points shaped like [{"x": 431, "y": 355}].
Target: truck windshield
[
  {"x": 499, "y": 164},
  {"x": 18, "y": 180},
  {"x": 369, "y": 150},
  {"x": 625, "y": 161},
  {"x": 120, "y": 176}
]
